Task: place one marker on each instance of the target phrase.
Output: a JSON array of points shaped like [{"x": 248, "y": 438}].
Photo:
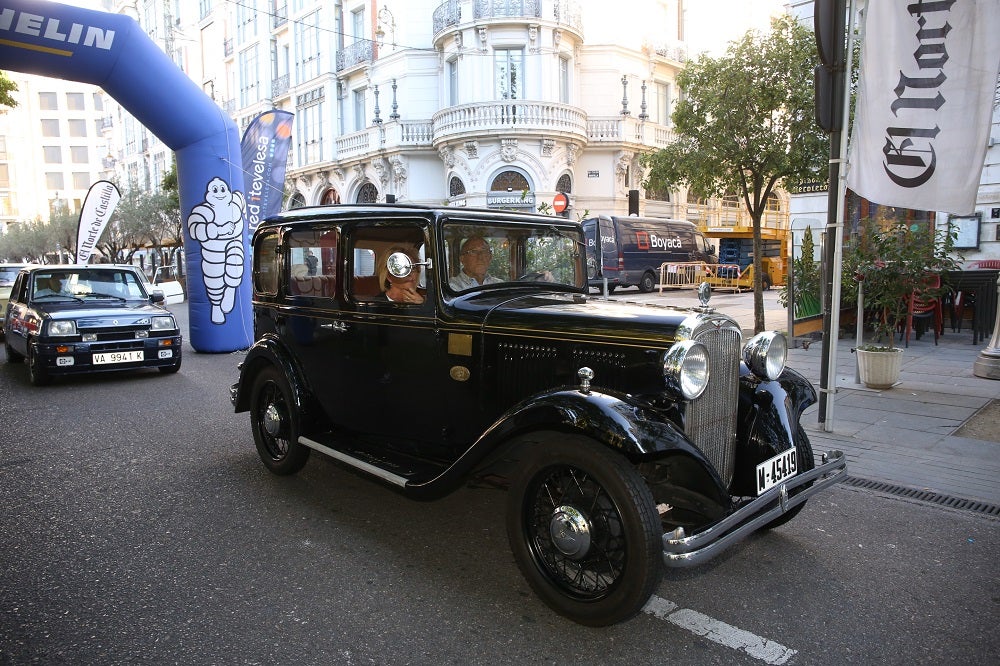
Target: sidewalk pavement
[{"x": 904, "y": 435}]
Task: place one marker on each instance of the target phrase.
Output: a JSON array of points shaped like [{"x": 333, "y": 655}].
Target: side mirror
[
  {"x": 591, "y": 268},
  {"x": 156, "y": 296},
  {"x": 400, "y": 265}
]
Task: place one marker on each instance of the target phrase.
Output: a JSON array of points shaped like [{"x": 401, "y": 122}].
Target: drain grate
[{"x": 924, "y": 496}]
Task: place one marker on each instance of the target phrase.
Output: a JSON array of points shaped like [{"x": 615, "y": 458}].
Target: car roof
[{"x": 361, "y": 211}]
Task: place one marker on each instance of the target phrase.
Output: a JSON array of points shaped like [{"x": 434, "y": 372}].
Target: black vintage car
[
  {"x": 68, "y": 319},
  {"x": 629, "y": 435}
]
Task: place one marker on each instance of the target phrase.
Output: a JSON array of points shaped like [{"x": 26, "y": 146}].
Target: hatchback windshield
[
  {"x": 483, "y": 256},
  {"x": 86, "y": 285}
]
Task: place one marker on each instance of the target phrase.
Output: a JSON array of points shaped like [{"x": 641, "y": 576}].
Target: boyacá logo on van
[{"x": 648, "y": 241}]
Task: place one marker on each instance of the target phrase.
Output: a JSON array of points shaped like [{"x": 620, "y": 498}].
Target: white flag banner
[
  {"x": 925, "y": 100},
  {"x": 101, "y": 200}
]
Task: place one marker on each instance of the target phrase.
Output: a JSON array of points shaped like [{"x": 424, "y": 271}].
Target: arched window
[
  {"x": 331, "y": 196},
  {"x": 296, "y": 201},
  {"x": 564, "y": 184},
  {"x": 367, "y": 194},
  {"x": 658, "y": 194},
  {"x": 773, "y": 202},
  {"x": 456, "y": 187},
  {"x": 510, "y": 180}
]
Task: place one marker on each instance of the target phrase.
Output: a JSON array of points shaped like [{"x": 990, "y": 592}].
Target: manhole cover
[{"x": 984, "y": 424}]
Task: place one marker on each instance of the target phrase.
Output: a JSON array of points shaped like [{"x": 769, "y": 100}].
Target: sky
[{"x": 712, "y": 24}]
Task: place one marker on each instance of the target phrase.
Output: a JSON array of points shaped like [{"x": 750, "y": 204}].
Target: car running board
[{"x": 398, "y": 471}]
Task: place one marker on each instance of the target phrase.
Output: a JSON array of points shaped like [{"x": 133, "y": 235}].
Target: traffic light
[{"x": 829, "y": 17}]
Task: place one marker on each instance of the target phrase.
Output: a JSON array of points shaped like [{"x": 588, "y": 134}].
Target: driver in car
[{"x": 475, "y": 257}]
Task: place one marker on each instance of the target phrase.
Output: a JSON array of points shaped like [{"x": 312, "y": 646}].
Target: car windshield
[
  {"x": 87, "y": 284},
  {"x": 482, "y": 256}
]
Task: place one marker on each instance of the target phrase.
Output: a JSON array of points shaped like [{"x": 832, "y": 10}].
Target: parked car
[
  {"x": 629, "y": 435},
  {"x": 73, "y": 319},
  {"x": 165, "y": 279},
  {"x": 628, "y": 251},
  {"x": 7, "y": 274}
]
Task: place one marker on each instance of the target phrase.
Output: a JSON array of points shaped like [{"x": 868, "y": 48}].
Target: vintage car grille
[{"x": 711, "y": 419}]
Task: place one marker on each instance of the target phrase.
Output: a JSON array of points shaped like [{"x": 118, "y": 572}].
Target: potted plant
[{"x": 892, "y": 259}]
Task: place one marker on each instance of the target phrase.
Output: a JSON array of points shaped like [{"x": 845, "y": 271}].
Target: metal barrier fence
[{"x": 688, "y": 275}]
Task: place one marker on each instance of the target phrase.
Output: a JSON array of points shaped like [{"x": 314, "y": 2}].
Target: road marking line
[{"x": 719, "y": 632}]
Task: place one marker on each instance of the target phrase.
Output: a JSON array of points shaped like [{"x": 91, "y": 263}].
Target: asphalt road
[{"x": 138, "y": 526}]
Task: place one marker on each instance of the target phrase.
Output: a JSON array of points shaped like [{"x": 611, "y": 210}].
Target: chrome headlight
[
  {"x": 765, "y": 354},
  {"x": 685, "y": 369},
  {"x": 162, "y": 324},
  {"x": 62, "y": 328}
]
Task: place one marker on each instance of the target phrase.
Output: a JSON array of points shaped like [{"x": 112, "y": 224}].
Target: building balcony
[
  {"x": 280, "y": 16},
  {"x": 279, "y": 86},
  {"x": 388, "y": 136},
  {"x": 354, "y": 54},
  {"x": 456, "y": 14},
  {"x": 513, "y": 117},
  {"x": 628, "y": 130},
  {"x": 227, "y": 47}
]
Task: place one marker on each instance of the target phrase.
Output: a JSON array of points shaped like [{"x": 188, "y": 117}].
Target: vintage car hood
[{"x": 573, "y": 315}]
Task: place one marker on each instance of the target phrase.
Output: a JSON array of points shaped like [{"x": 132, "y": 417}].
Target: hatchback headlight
[
  {"x": 162, "y": 324},
  {"x": 62, "y": 328},
  {"x": 685, "y": 369},
  {"x": 765, "y": 354}
]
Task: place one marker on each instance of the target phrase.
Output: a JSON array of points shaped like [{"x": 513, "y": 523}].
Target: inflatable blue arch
[{"x": 112, "y": 51}]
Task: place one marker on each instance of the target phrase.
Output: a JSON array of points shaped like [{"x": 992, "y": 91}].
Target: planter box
[{"x": 880, "y": 369}]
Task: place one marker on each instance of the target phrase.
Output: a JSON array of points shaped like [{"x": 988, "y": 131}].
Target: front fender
[
  {"x": 265, "y": 352},
  {"x": 768, "y": 419}
]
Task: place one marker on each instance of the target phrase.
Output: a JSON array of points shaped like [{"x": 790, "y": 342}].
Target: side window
[
  {"x": 312, "y": 262},
  {"x": 368, "y": 248},
  {"x": 265, "y": 269}
]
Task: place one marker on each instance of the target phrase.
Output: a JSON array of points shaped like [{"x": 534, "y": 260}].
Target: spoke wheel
[
  {"x": 275, "y": 424},
  {"x": 584, "y": 531}
]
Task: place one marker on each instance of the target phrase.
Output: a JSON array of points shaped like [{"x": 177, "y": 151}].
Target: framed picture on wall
[{"x": 967, "y": 231}]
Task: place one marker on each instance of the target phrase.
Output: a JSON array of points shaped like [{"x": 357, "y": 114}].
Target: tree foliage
[
  {"x": 7, "y": 88},
  {"x": 746, "y": 125}
]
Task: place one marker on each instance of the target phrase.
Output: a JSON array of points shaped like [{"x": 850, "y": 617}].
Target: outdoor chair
[{"x": 921, "y": 308}]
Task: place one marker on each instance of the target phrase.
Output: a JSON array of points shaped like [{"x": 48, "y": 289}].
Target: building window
[
  {"x": 509, "y": 73},
  {"x": 513, "y": 181},
  {"x": 456, "y": 187},
  {"x": 661, "y": 103},
  {"x": 453, "y": 82},
  {"x": 246, "y": 21},
  {"x": 330, "y": 197},
  {"x": 4, "y": 177},
  {"x": 564, "y": 80},
  {"x": 98, "y": 101},
  {"x": 79, "y": 154},
  {"x": 81, "y": 181},
  {"x": 77, "y": 128},
  {"x": 564, "y": 184},
  {"x": 359, "y": 109},
  {"x": 368, "y": 193},
  {"x": 74, "y": 101},
  {"x": 307, "y": 48},
  {"x": 50, "y": 128},
  {"x": 52, "y": 154},
  {"x": 48, "y": 101},
  {"x": 249, "y": 77},
  {"x": 309, "y": 126},
  {"x": 296, "y": 201},
  {"x": 358, "y": 24},
  {"x": 54, "y": 180}
]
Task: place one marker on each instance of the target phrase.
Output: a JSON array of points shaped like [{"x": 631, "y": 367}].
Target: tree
[
  {"x": 746, "y": 125},
  {"x": 7, "y": 87}
]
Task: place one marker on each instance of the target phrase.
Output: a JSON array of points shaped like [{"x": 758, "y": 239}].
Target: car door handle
[{"x": 335, "y": 326}]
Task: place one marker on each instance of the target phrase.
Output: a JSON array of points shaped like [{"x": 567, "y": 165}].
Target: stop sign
[{"x": 559, "y": 202}]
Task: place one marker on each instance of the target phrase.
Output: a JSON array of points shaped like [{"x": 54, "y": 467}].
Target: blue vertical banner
[{"x": 265, "y": 153}]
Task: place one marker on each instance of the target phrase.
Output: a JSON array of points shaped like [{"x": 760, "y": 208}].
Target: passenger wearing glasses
[{"x": 475, "y": 256}]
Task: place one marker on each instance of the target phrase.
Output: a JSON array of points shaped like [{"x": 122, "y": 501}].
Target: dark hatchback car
[
  {"x": 628, "y": 435},
  {"x": 91, "y": 318}
]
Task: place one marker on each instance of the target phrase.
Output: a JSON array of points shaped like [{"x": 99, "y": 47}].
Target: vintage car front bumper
[{"x": 680, "y": 550}]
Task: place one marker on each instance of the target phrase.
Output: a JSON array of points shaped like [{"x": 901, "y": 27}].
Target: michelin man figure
[{"x": 217, "y": 223}]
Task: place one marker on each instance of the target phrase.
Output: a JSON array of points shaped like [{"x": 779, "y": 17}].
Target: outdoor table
[{"x": 983, "y": 285}]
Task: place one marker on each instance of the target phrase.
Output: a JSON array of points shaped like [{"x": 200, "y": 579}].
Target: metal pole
[{"x": 987, "y": 365}]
